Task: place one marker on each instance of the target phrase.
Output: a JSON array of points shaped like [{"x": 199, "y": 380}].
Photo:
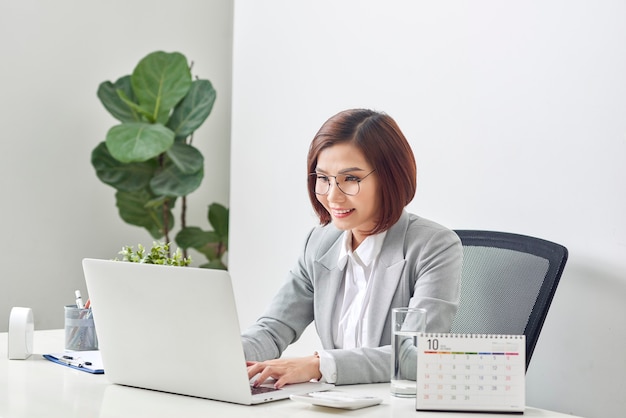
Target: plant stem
[
  {"x": 166, "y": 226},
  {"x": 183, "y": 210},
  {"x": 183, "y": 219},
  {"x": 166, "y": 218}
]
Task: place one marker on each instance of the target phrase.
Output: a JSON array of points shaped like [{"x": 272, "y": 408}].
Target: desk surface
[{"x": 39, "y": 388}]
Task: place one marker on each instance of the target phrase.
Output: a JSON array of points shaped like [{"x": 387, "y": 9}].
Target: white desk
[{"x": 37, "y": 387}]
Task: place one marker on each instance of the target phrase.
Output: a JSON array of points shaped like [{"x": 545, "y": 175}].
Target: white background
[{"x": 515, "y": 111}]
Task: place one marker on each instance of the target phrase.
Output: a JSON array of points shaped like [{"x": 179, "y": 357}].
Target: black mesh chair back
[{"x": 507, "y": 284}]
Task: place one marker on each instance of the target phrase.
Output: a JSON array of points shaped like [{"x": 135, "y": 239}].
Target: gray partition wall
[{"x": 55, "y": 211}]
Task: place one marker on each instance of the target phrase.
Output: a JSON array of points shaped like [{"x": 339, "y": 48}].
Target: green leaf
[
  {"x": 126, "y": 177},
  {"x": 160, "y": 81},
  {"x": 133, "y": 210},
  {"x": 173, "y": 182},
  {"x": 208, "y": 243},
  {"x": 109, "y": 95},
  {"x": 193, "y": 110},
  {"x": 212, "y": 251},
  {"x": 194, "y": 237},
  {"x": 215, "y": 264},
  {"x": 218, "y": 218},
  {"x": 160, "y": 201},
  {"x": 138, "y": 110},
  {"x": 137, "y": 142},
  {"x": 186, "y": 157}
]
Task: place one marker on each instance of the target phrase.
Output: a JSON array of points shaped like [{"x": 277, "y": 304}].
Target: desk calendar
[{"x": 471, "y": 372}]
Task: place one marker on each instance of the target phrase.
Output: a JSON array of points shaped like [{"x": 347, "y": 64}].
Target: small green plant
[{"x": 158, "y": 254}]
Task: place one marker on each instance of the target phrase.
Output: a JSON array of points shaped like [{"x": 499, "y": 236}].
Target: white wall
[
  {"x": 516, "y": 113},
  {"x": 54, "y": 210}
]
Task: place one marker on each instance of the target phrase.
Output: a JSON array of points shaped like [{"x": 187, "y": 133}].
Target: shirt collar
[{"x": 365, "y": 254}]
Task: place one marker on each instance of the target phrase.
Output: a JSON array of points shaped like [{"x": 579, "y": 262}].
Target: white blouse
[{"x": 352, "y": 303}]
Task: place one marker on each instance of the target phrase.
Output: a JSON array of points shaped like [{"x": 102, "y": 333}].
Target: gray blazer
[{"x": 419, "y": 265}]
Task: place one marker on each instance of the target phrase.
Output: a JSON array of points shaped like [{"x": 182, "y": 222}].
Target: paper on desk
[{"x": 86, "y": 361}]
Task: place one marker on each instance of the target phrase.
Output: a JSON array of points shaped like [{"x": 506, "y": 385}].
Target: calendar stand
[{"x": 471, "y": 372}]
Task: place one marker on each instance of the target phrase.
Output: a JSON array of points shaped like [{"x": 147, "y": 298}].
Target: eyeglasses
[{"x": 349, "y": 184}]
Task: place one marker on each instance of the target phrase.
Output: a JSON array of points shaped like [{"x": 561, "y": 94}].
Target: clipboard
[{"x": 85, "y": 361}]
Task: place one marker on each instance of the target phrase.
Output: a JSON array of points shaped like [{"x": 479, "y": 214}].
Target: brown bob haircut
[{"x": 384, "y": 146}]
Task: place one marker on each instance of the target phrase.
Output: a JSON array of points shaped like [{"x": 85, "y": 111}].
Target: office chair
[{"x": 507, "y": 284}]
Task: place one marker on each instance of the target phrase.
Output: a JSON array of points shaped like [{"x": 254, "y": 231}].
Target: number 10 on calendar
[{"x": 471, "y": 372}]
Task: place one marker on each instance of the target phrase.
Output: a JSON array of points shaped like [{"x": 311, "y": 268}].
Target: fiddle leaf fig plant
[{"x": 148, "y": 157}]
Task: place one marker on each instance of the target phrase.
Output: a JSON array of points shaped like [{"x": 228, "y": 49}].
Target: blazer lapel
[
  {"x": 386, "y": 278},
  {"x": 329, "y": 278}
]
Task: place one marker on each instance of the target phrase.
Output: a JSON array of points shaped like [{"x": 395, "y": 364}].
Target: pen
[
  {"x": 78, "y": 364},
  {"x": 79, "y": 300}
]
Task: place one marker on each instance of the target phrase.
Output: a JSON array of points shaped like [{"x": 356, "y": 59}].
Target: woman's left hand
[{"x": 284, "y": 371}]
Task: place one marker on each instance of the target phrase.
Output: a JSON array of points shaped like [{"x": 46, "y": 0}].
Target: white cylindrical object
[{"x": 21, "y": 329}]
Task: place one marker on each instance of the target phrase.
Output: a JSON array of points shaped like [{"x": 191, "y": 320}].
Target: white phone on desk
[{"x": 337, "y": 399}]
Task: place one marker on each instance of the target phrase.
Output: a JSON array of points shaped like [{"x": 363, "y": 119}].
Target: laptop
[{"x": 174, "y": 329}]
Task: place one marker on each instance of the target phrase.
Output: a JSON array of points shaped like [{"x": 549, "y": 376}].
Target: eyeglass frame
[{"x": 358, "y": 181}]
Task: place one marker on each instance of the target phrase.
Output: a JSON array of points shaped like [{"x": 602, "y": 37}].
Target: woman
[{"x": 368, "y": 256}]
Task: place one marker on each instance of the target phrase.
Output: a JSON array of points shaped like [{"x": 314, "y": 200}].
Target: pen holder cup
[{"x": 80, "y": 331}]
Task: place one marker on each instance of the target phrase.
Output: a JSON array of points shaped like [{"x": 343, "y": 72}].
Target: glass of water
[{"x": 406, "y": 324}]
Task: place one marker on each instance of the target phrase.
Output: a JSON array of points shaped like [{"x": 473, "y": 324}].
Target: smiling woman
[
  {"x": 350, "y": 206},
  {"x": 367, "y": 257}
]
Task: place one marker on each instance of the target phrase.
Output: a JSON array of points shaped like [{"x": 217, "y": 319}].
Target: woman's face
[{"x": 358, "y": 213}]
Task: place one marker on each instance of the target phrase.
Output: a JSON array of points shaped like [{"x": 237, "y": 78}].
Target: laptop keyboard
[{"x": 262, "y": 389}]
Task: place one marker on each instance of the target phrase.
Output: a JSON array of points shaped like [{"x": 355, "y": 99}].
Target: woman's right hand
[{"x": 285, "y": 371}]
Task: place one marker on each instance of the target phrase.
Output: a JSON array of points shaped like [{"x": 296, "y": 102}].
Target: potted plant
[{"x": 149, "y": 158}]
